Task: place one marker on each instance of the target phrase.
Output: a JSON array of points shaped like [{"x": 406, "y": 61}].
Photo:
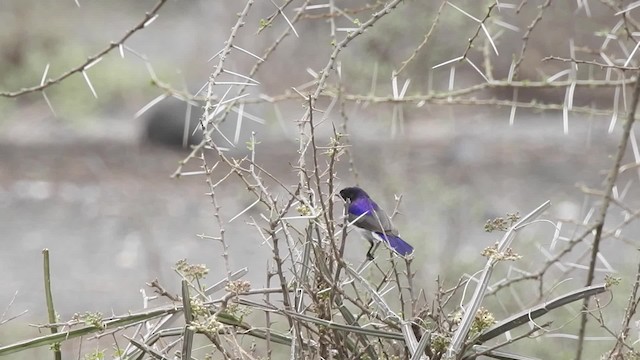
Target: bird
[{"x": 367, "y": 215}]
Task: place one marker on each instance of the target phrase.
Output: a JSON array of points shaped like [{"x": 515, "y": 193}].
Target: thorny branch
[{"x": 91, "y": 59}]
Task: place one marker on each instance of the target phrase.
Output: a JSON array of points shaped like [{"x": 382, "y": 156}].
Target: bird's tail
[{"x": 396, "y": 244}]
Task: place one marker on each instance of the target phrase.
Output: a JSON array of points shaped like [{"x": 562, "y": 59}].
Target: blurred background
[{"x": 89, "y": 177}]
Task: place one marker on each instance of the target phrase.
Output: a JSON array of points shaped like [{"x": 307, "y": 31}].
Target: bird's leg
[{"x": 370, "y": 252}]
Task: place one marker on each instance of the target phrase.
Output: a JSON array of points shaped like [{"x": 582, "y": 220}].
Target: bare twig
[{"x": 599, "y": 223}]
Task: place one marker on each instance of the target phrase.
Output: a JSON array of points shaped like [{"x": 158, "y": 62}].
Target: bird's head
[{"x": 352, "y": 193}]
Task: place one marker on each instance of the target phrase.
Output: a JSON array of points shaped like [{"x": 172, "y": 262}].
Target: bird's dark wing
[{"x": 376, "y": 221}]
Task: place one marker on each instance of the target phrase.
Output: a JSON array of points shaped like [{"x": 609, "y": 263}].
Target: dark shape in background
[{"x": 166, "y": 121}]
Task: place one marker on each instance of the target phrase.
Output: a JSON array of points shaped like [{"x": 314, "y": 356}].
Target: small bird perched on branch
[{"x": 367, "y": 215}]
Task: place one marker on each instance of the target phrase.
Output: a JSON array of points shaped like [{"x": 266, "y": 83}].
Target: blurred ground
[{"x": 114, "y": 219}]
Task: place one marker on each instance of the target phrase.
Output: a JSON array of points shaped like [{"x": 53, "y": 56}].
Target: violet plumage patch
[{"x": 362, "y": 206}]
